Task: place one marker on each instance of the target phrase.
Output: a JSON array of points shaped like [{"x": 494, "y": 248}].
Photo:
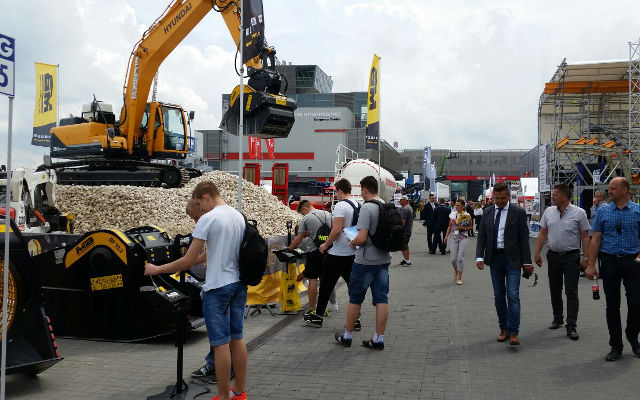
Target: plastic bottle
[{"x": 595, "y": 289}]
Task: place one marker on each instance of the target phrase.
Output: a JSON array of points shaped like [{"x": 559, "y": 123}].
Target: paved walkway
[{"x": 440, "y": 344}]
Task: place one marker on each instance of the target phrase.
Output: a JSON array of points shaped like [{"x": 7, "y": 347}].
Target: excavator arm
[
  {"x": 164, "y": 35},
  {"x": 110, "y": 152}
]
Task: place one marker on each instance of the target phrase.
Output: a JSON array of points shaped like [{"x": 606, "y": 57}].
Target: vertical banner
[
  {"x": 484, "y": 189},
  {"x": 45, "y": 114},
  {"x": 271, "y": 147},
  {"x": 252, "y": 146},
  {"x": 253, "y": 29},
  {"x": 432, "y": 178},
  {"x": 258, "y": 148},
  {"x": 543, "y": 181},
  {"x": 372, "y": 134},
  {"x": 426, "y": 168}
]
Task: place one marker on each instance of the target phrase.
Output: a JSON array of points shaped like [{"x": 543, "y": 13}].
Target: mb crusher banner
[
  {"x": 372, "y": 135},
  {"x": 45, "y": 112}
]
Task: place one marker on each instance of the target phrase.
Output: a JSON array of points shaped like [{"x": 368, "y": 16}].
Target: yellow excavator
[{"x": 109, "y": 151}]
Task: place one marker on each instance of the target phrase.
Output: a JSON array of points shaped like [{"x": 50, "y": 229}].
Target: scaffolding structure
[
  {"x": 589, "y": 115},
  {"x": 634, "y": 106}
]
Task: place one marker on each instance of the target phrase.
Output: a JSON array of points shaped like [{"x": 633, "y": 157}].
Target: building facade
[{"x": 468, "y": 171}]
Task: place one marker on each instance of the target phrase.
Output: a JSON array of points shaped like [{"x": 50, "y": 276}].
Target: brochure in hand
[{"x": 351, "y": 232}]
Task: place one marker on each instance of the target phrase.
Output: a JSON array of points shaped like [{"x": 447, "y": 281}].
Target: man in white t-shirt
[
  {"x": 224, "y": 296},
  {"x": 337, "y": 263}
]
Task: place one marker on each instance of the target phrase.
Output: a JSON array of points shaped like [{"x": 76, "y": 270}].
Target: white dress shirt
[{"x": 503, "y": 222}]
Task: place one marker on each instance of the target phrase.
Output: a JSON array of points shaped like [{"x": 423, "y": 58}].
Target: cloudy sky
[{"x": 461, "y": 74}]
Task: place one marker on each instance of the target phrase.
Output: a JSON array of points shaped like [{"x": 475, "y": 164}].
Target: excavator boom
[{"x": 106, "y": 149}]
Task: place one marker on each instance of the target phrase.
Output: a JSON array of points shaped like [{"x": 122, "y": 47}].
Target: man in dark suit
[
  {"x": 503, "y": 243},
  {"x": 440, "y": 225},
  {"x": 427, "y": 214}
]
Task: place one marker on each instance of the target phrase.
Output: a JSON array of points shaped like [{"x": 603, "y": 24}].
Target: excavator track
[{"x": 118, "y": 172}]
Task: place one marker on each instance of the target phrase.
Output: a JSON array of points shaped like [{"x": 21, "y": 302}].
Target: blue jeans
[
  {"x": 223, "y": 311},
  {"x": 364, "y": 277},
  {"x": 506, "y": 283}
]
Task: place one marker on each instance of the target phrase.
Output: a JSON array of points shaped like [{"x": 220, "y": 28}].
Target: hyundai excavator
[{"x": 106, "y": 151}]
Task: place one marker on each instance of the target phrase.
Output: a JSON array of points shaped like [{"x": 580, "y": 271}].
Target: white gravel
[{"x": 125, "y": 207}]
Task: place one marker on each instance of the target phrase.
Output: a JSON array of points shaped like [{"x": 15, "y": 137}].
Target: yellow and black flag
[
  {"x": 253, "y": 17},
  {"x": 45, "y": 112},
  {"x": 372, "y": 134}
]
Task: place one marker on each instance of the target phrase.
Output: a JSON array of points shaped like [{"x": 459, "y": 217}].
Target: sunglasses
[{"x": 619, "y": 227}]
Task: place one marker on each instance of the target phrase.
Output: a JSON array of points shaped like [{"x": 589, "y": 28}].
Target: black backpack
[
  {"x": 253, "y": 254},
  {"x": 356, "y": 212},
  {"x": 323, "y": 232},
  {"x": 390, "y": 231}
]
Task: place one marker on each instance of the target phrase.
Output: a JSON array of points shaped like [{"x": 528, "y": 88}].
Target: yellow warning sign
[{"x": 106, "y": 282}]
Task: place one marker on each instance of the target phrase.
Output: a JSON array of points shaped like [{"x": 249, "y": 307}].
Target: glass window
[
  {"x": 173, "y": 129},
  {"x": 145, "y": 119}
]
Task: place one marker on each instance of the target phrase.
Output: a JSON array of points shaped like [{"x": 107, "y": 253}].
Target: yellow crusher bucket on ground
[
  {"x": 31, "y": 346},
  {"x": 266, "y": 115},
  {"x": 93, "y": 285}
]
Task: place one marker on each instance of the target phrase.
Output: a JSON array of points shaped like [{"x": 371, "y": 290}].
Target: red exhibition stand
[{"x": 280, "y": 185}]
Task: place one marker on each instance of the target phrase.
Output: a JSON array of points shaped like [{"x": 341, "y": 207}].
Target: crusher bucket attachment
[
  {"x": 31, "y": 346},
  {"x": 92, "y": 286},
  {"x": 266, "y": 115}
]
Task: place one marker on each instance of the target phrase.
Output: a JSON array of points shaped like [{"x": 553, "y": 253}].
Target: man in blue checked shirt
[{"x": 616, "y": 241}]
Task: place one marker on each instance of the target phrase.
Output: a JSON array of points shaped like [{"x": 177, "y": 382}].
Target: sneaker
[
  {"x": 404, "y": 262},
  {"x": 205, "y": 372},
  {"x": 233, "y": 396},
  {"x": 307, "y": 313},
  {"x": 358, "y": 325},
  {"x": 241, "y": 396},
  {"x": 373, "y": 345},
  {"x": 314, "y": 320},
  {"x": 326, "y": 312},
  {"x": 333, "y": 307},
  {"x": 341, "y": 339}
]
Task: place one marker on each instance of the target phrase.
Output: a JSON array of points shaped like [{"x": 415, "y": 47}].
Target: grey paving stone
[{"x": 439, "y": 344}]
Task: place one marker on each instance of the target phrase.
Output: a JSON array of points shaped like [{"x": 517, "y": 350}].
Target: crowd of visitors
[{"x": 355, "y": 241}]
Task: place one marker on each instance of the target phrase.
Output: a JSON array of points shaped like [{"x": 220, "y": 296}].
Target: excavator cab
[{"x": 164, "y": 130}]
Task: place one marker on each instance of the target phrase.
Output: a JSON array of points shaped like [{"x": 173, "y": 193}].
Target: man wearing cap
[{"x": 406, "y": 213}]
